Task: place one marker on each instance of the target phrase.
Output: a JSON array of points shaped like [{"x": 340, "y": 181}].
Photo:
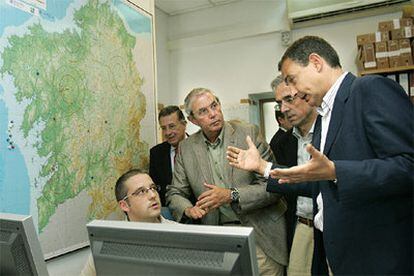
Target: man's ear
[
  {"x": 123, "y": 205},
  {"x": 317, "y": 61}
]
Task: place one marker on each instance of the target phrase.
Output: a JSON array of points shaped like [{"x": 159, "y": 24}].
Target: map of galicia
[{"x": 76, "y": 110}]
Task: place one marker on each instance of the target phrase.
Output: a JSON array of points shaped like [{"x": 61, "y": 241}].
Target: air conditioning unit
[{"x": 305, "y": 13}]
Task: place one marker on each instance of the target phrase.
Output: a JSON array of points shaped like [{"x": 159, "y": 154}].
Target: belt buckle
[{"x": 306, "y": 221}]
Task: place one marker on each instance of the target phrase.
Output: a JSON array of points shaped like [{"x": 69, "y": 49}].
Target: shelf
[{"x": 387, "y": 70}]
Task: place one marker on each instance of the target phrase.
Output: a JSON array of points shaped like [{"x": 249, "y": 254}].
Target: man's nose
[
  {"x": 212, "y": 113},
  {"x": 151, "y": 193},
  {"x": 168, "y": 132},
  {"x": 284, "y": 108}
]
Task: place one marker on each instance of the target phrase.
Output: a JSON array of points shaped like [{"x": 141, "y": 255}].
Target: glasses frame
[{"x": 142, "y": 191}]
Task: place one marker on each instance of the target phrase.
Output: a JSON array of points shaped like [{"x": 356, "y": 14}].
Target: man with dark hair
[
  {"x": 162, "y": 156},
  {"x": 363, "y": 173},
  {"x": 137, "y": 195},
  {"x": 226, "y": 196}
]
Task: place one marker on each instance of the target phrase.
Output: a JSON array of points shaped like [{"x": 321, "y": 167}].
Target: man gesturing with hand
[{"x": 227, "y": 196}]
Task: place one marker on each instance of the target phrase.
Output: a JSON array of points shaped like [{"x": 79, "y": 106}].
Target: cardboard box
[
  {"x": 394, "y": 61},
  {"x": 405, "y": 32},
  {"x": 386, "y": 26},
  {"x": 405, "y": 46},
  {"x": 394, "y": 24},
  {"x": 406, "y": 59},
  {"x": 393, "y": 48},
  {"x": 383, "y": 63},
  {"x": 382, "y": 36},
  {"x": 372, "y": 38},
  {"x": 406, "y": 22},
  {"x": 381, "y": 49},
  {"x": 365, "y": 38},
  {"x": 368, "y": 54}
]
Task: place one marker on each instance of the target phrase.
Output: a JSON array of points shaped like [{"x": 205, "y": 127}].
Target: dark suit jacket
[
  {"x": 160, "y": 167},
  {"x": 368, "y": 213},
  {"x": 368, "y": 221},
  {"x": 276, "y": 139},
  {"x": 286, "y": 153}
]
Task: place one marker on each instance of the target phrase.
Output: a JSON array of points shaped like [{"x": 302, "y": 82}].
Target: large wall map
[{"x": 76, "y": 110}]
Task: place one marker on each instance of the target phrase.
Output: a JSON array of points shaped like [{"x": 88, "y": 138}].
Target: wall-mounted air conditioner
[{"x": 304, "y": 13}]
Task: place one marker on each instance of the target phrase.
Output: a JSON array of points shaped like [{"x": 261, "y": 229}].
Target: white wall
[
  {"x": 233, "y": 63},
  {"x": 163, "y": 58}
]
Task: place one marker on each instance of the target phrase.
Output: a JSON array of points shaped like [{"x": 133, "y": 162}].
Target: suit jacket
[
  {"x": 160, "y": 168},
  {"x": 286, "y": 153},
  {"x": 368, "y": 212},
  {"x": 276, "y": 139},
  {"x": 257, "y": 208}
]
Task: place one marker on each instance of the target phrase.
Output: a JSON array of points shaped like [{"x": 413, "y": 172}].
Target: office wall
[{"x": 235, "y": 64}]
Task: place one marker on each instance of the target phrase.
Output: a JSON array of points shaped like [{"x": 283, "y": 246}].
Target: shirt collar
[
  {"x": 217, "y": 142},
  {"x": 297, "y": 134},
  {"x": 329, "y": 98}
]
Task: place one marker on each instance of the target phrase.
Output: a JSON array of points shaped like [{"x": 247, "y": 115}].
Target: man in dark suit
[
  {"x": 363, "y": 175},
  {"x": 283, "y": 122},
  {"x": 364, "y": 171},
  {"x": 173, "y": 125}
]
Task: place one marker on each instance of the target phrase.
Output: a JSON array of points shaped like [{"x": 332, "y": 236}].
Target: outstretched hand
[
  {"x": 248, "y": 160},
  {"x": 319, "y": 167}
]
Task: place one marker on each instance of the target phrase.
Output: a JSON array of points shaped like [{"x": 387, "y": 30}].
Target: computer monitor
[
  {"x": 134, "y": 248},
  {"x": 20, "y": 251}
]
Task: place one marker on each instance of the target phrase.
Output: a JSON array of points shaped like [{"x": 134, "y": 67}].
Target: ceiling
[{"x": 174, "y": 7}]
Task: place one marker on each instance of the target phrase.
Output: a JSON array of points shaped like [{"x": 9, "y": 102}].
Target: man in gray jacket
[{"x": 225, "y": 195}]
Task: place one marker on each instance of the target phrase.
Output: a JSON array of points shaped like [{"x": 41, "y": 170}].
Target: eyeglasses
[
  {"x": 143, "y": 191},
  {"x": 204, "y": 110},
  {"x": 289, "y": 99}
]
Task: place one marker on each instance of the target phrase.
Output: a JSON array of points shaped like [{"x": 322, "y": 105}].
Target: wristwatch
[{"x": 234, "y": 195}]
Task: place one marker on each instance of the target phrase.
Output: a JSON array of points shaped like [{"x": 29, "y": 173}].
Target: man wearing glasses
[
  {"x": 300, "y": 208},
  {"x": 162, "y": 156},
  {"x": 226, "y": 196},
  {"x": 283, "y": 122},
  {"x": 361, "y": 167},
  {"x": 138, "y": 197}
]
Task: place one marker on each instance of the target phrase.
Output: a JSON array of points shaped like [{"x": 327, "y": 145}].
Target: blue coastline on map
[
  {"x": 14, "y": 179},
  {"x": 11, "y": 16},
  {"x": 138, "y": 22},
  {"x": 55, "y": 10}
]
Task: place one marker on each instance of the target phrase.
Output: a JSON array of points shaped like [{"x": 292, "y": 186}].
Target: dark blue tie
[{"x": 316, "y": 138}]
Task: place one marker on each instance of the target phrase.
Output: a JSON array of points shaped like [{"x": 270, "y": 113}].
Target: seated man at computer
[{"x": 138, "y": 197}]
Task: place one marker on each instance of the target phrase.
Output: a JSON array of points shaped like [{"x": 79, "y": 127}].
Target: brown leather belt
[{"x": 306, "y": 221}]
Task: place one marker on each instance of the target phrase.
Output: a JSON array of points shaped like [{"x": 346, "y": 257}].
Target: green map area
[{"x": 84, "y": 94}]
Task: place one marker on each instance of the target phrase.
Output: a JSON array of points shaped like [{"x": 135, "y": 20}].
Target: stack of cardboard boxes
[{"x": 391, "y": 46}]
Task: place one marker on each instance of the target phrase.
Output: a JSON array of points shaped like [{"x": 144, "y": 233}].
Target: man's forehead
[
  {"x": 171, "y": 118},
  {"x": 282, "y": 90},
  {"x": 138, "y": 180},
  {"x": 288, "y": 66}
]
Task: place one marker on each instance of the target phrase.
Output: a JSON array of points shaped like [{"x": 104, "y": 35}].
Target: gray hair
[
  {"x": 196, "y": 92},
  {"x": 275, "y": 83}
]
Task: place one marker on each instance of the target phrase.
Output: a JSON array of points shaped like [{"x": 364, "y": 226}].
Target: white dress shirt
[{"x": 325, "y": 110}]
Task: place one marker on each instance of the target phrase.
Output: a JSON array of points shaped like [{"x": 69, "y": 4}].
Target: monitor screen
[
  {"x": 134, "y": 248},
  {"x": 20, "y": 251}
]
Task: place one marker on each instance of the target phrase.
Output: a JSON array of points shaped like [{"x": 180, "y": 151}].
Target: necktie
[
  {"x": 316, "y": 139},
  {"x": 176, "y": 152}
]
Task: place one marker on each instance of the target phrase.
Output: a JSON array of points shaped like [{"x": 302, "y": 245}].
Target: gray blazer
[{"x": 257, "y": 208}]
